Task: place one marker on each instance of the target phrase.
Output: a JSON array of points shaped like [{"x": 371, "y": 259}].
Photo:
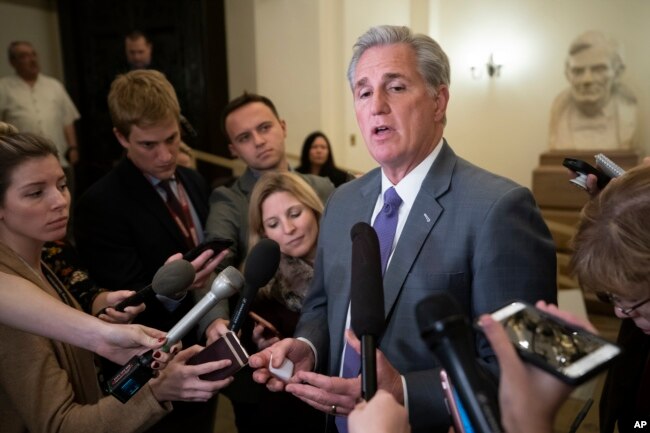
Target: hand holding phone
[
  {"x": 226, "y": 347},
  {"x": 216, "y": 244},
  {"x": 572, "y": 354},
  {"x": 582, "y": 169}
]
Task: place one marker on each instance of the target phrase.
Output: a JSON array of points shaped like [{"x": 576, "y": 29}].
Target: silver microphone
[{"x": 227, "y": 283}]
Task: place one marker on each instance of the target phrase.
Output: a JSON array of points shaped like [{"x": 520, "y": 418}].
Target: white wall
[{"x": 35, "y": 21}]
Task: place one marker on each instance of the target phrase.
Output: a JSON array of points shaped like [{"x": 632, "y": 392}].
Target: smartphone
[
  {"x": 216, "y": 244},
  {"x": 459, "y": 417},
  {"x": 582, "y": 169},
  {"x": 572, "y": 354}
]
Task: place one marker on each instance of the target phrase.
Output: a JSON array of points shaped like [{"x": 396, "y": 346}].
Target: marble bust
[{"x": 596, "y": 111}]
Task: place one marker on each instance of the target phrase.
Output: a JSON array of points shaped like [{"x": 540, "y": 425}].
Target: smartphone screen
[{"x": 571, "y": 353}]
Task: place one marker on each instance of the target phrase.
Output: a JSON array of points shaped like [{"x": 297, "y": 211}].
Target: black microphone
[
  {"x": 261, "y": 265},
  {"x": 366, "y": 301},
  {"x": 448, "y": 334},
  {"x": 170, "y": 279},
  {"x": 137, "y": 372}
]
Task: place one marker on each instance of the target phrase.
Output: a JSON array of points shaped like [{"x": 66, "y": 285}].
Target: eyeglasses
[{"x": 608, "y": 298}]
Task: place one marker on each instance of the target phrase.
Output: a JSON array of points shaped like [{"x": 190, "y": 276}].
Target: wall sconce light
[{"x": 493, "y": 69}]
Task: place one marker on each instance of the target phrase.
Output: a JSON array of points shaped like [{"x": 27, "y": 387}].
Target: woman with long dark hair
[{"x": 316, "y": 158}]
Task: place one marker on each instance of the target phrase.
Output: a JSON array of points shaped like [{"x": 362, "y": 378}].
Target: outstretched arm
[{"x": 22, "y": 305}]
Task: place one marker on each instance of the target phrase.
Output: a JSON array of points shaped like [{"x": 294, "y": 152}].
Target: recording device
[
  {"x": 572, "y": 354},
  {"x": 607, "y": 166},
  {"x": 459, "y": 417},
  {"x": 227, "y": 283},
  {"x": 261, "y": 265},
  {"x": 284, "y": 371},
  {"x": 582, "y": 169},
  {"x": 448, "y": 334},
  {"x": 137, "y": 372},
  {"x": 216, "y": 244},
  {"x": 366, "y": 301},
  {"x": 172, "y": 278},
  {"x": 226, "y": 347}
]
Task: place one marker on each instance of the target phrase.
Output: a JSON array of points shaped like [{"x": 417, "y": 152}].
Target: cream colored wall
[
  {"x": 500, "y": 124},
  {"x": 35, "y": 21}
]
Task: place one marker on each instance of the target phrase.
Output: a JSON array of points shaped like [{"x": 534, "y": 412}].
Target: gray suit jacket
[{"x": 471, "y": 233}]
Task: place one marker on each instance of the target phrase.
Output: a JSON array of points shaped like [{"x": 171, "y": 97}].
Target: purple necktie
[{"x": 385, "y": 226}]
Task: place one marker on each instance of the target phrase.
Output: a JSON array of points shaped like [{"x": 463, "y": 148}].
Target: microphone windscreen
[
  {"x": 262, "y": 263},
  {"x": 434, "y": 310},
  {"x": 229, "y": 276},
  {"x": 367, "y": 288},
  {"x": 172, "y": 278}
]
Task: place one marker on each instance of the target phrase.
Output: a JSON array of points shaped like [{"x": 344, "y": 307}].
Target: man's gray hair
[{"x": 432, "y": 61}]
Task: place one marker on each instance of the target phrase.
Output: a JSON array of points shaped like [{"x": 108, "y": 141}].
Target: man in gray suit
[{"x": 460, "y": 229}]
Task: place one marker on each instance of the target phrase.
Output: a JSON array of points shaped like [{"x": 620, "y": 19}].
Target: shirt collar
[{"x": 409, "y": 186}]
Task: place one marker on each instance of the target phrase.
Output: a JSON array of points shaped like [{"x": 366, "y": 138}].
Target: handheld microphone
[
  {"x": 137, "y": 372},
  {"x": 172, "y": 278},
  {"x": 227, "y": 283},
  {"x": 448, "y": 334},
  {"x": 261, "y": 265},
  {"x": 367, "y": 301}
]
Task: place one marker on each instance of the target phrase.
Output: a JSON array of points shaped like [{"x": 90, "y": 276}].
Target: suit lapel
[{"x": 422, "y": 218}]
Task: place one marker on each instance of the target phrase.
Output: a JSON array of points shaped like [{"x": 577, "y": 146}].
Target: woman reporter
[
  {"x": 284, "y": 208},
  {"x": 46, "y": 385}
]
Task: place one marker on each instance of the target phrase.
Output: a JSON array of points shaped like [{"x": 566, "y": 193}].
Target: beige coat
[{"x": 48, "y": 386}]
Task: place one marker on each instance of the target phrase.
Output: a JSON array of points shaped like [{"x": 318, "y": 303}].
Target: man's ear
[
  {"x": 283, "y": 125},
  {"x": 233, "y": 150},
  {"x": 121, "y": 138},
  {"x": 441, "y": 99}
]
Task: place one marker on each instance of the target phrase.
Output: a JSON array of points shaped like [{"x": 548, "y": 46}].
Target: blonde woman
[{"x": 284, "y": 208}]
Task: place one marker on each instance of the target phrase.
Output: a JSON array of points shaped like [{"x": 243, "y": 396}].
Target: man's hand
[
  {"x": 325, "y": 392},
  {"x": 297, "y": 351},
  {"x": 388, "y": 378}
]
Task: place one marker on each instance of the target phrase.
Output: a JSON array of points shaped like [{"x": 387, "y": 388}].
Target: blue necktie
[{"x": 385, "y": 225}]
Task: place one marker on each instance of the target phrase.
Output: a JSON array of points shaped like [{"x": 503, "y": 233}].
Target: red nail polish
[
  {"x": 155, "y": 364},
  {"x": 156, "y": 354},
  {"x": 162, "y": 339}
]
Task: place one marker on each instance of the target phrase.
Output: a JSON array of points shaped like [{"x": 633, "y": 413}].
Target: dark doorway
[{"x": 189, "y": 46}]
